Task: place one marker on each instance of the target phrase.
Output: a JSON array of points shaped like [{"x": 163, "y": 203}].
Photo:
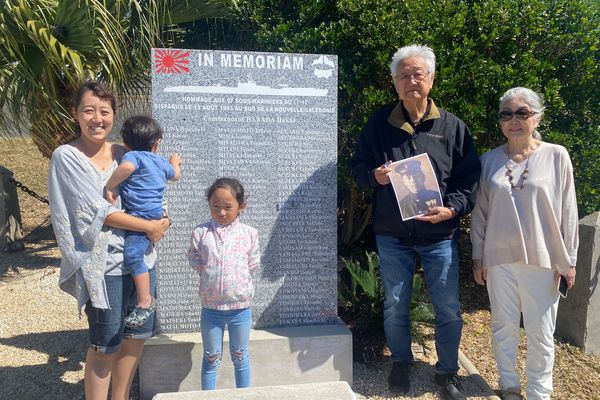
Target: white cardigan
[{"x": 537, "y": 225}]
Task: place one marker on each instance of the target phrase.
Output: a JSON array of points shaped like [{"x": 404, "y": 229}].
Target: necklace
[{"x": 522, "y": 178}]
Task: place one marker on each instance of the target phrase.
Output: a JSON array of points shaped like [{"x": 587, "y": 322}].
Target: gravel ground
[
  {"x": 42, "y": 342},
  {"x": 370, "y": 380}
]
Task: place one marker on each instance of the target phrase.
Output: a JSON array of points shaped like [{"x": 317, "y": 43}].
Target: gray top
[{"x": 89, "y": 249}]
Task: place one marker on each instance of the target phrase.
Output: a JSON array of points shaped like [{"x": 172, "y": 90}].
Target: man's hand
[
  {"x": 479, "y": 273},
  {"x": 381, "y": 174},
  {"x": 436, "y": 215}
]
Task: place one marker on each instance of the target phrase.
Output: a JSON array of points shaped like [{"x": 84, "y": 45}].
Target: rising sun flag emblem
[{"x": 171, "y": 61}]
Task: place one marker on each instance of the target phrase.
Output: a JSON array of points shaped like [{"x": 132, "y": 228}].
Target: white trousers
[{"x": 515, "y": 289}]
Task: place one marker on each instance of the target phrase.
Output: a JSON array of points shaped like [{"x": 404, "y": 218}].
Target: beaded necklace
[{"x": 522, "y": 178}]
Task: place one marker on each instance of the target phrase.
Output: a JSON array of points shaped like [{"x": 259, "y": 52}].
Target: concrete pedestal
[
  {"x": 278, "y": 356},
  {"x": 306, "y": 391},
  {"x": 578, "y": 316}
]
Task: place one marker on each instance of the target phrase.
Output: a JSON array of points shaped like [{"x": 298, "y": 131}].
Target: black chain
[{"x": 29, "y": 191}]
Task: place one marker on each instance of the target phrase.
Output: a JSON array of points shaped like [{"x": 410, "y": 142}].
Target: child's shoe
[{"x": 140, "y": 315}]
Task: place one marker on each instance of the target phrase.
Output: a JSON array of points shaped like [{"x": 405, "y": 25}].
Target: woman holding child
[
  {"x": 524, "y": 234},
  {"x": 89, "y": 232}
]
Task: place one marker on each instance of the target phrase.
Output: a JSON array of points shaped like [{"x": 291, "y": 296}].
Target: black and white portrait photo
[{"x": 415, "y": 186}]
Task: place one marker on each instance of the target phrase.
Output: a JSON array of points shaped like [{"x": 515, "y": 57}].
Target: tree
[{"x": 48, "y": 47}]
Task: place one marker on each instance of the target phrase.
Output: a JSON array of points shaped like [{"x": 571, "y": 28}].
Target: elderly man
[
  {"x": 414, "y": 126},
  {"x": 419, "y": 199}
]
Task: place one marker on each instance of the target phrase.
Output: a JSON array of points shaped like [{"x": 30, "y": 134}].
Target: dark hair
[
  {"x": 99, "y": 90},
  {"x": 141, "y": 133},
  {"x": 233, "y": 185}
]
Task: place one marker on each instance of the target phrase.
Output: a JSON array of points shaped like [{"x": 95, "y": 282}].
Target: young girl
[{"x": 225, "y": 253}]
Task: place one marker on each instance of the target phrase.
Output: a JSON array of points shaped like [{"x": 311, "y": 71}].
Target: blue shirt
[{"x": 143, "y": 191}]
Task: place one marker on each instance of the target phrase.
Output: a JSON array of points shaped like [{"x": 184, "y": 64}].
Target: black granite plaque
[{"x": 269, "y": 120}]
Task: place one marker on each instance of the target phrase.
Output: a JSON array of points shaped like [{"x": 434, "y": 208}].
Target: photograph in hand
[{"x": 415, "y": 186}]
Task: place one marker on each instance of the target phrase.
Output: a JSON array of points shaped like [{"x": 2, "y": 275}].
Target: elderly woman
[
  {"x": 524, "y": 235},
  {"x": 415, "y": 125},
  {"x": 90, "y": 237}
]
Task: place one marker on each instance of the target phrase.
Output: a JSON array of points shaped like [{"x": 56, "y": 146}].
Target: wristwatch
[{"x": 453, "y": 211}]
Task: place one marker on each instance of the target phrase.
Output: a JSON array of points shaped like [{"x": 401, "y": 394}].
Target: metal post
[{"x": 11, "y": 229}]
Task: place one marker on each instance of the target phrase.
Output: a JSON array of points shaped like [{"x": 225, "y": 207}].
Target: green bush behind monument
[{"x": 483, "y": 48}]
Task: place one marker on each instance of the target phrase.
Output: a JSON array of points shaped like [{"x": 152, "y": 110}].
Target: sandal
[{"x": 140, "y": 315}]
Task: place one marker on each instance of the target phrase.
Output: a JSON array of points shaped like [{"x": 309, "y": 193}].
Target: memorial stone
[{"x": 269, "y": 120}]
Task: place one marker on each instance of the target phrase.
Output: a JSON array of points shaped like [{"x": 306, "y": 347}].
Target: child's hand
[
  {"x": 175, "y": 159},
  {"x": 111, "y": 195}
]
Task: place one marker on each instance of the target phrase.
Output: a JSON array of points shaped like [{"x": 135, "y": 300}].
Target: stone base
[
  {"x": 306, "y": 391},
  {"x": 578, "y": 317},
  {"x": 278, "y": 356}
]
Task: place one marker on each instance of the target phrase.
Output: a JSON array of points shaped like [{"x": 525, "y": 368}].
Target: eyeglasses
[
  {"x": 521, "y": 114},
  {"x": 417, "y": 76}
]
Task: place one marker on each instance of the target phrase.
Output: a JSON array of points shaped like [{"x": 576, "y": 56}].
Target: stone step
[
  {"x": 279, "y": 356},
  {"x": 307, "y": 391}
]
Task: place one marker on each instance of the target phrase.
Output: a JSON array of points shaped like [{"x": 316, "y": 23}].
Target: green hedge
[{"x": 483, "y": 48}]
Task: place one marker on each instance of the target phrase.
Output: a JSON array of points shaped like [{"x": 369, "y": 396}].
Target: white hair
[
  {"x": 414, "y": 50},
  {"x": 531, "y": 98}
]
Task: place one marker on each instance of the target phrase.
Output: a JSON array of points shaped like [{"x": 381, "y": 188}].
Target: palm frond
[
  {"x": 367, "y": 280},
  {"x": 48, "y": 47}
]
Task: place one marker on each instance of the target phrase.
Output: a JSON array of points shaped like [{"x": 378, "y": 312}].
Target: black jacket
[{"x": 447, "y": 141}]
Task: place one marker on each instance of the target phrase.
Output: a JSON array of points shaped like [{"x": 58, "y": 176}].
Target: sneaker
[
  {"x": 140, "y": 315},
  {"x": 451, "y": 387},
  {"x": 399, "y": 379}
]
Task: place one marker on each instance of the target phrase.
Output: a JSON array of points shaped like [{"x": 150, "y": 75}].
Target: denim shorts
[{"x": 107, "y": 327}]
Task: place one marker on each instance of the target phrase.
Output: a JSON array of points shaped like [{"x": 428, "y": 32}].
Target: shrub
[{"x": 483, "y": 48}]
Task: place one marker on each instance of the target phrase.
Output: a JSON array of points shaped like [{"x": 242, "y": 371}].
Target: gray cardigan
[{"x": 78, "y": 210}]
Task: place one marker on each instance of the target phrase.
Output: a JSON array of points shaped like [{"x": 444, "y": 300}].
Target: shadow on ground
[
  {"x": 40, "y": 252},
  {"x": 473, "y": 297},
  {"x": 33, "y": 381},
  {"x": 371, "y": 380}
]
